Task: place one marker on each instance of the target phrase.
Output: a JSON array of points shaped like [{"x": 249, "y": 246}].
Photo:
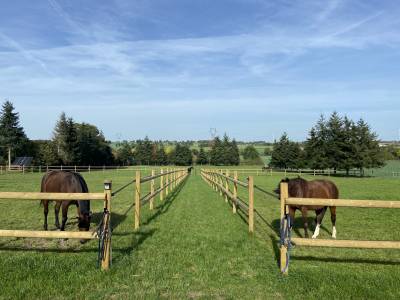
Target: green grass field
[{"x": 192, "y": 246}]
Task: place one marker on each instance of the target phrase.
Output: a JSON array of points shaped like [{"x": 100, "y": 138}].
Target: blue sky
[{"x": 174, "y": 69}]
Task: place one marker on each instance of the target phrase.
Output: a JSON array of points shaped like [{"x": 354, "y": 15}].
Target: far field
[{"x": 192, "y": 246}]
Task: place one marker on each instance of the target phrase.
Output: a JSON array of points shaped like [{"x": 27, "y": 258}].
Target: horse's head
[
  {"x": 85, "y": 216},
  {"x": 84, "y": 221},
  {"x": 278, "y": 189}
]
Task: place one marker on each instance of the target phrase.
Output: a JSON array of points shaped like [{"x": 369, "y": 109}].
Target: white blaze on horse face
[
  {"x": 316, "y": 232},
  {"x": 334, "y": 232}
]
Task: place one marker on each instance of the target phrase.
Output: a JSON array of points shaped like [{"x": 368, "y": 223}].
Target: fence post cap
[{"x": 107, "y": 184}]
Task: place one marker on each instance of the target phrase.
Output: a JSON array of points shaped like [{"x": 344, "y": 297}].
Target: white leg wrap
[
  {"x": 316, "y": 232},
  {"x": 334, "y": 232}
]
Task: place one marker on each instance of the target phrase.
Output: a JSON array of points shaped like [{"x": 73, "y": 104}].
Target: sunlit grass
[{"x": 192, "y": 246}]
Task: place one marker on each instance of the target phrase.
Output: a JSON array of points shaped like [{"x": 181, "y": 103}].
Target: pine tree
[
  {"x": 369, "y": 154},
  {"x": 336, "y": 140},
  {"x": 316, "y": 146},
  {"x": 66, "y": 138},
  {"x": 226, "y": 155},
  {"x": 202, "y": 158},
  {"x": 216, "y": 153},
  {"x": 12, "y": 135},
  {"x": 286, "y": 154},
  {"x": 162, "y": 158},
  {"x": 183, "y": 155},
  {"x": 235, "y": 155}
]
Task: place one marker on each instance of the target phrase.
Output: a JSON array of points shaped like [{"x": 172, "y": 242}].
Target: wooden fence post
[
  {"x": 220, "y": 182},
  {"x": 162, "y": 185},
  {"x": 251, "y": 204},
  {"x": 167, "y": 183},
  {"x": 284, "y": 195},
  {"x": 105, "y": 262},
  {"x": 137, "y": 200},
  {"x": 152, "y": 183},
  {"x": 226, "y": 184},
  {"x": 235, "y": 189}
]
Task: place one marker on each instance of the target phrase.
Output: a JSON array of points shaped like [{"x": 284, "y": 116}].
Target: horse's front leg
[
  {"x": 64, "y": 216},
  {"x": 333, "y": 219},
  {"x": 320, "y": 216},
  {"x": 305, "y": 221}
]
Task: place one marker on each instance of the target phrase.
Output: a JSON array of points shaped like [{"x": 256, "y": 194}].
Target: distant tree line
[{"x": 338, "y": 143}]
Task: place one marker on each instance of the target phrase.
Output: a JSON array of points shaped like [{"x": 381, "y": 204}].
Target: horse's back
[
  {"x": 324, "y": 189},
  {"x": 63, "y": 182}
]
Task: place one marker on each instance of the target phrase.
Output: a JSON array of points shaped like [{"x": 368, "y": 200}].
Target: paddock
[{"x": 287, "y": 240}]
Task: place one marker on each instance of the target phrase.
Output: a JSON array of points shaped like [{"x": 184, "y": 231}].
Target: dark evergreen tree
[
  {"x": 286, "y": 154},
  {"x": 183, "y": 155},
  {"x": 66, "y": 139},
  {"x": 202, "y": 158},
  {"x": 216, "y": 153},
  {"x": 162, "y": 158},
  {"x": 143, "y": 152},
  {"x": 336, "y": 140},
  {"x": 369, "y": 154},
  {"x": 316, "y": 146},
  {"x": 235, "y": 154},
  {"x": 12, "y": 135}
]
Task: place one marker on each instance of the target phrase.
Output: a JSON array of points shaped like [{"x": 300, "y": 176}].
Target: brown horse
[
  {"x": 66, "y": 182},
  {"x": 322, "y": 189}
]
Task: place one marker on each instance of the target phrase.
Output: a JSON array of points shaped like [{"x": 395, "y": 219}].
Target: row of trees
[
  {"x": 146, "y": 152},
  {"x": 338, "y": 143}
]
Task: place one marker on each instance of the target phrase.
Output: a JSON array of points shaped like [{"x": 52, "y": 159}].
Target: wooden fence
[
  {"x": 227, "y": 186},
  {"x": 286, "y": 240},
  {"x": 168, "y": 181},
  {"x": 75, "y": 168},
  {"x": 105, "y": 225}
]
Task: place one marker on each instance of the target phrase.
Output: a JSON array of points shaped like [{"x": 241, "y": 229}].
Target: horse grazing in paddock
[
  {"x": 66, "y": 182},
  {"x": 322, "y": 189}
]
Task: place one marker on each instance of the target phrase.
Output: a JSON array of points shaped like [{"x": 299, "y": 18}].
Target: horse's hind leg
[
  {"x": 320, "y": 217},
  {"x": 333, "y": 219},
  {"x": 56, "y": 213},
  {"x": 64, "y": 216},
  {"x": 45, "y": 212},
  {"x": 305, "y": 221}
]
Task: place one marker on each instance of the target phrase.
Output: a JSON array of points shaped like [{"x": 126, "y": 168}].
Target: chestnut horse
[
  {"x": 66, "y": 182},
  {"x": 322, "y": 189}
]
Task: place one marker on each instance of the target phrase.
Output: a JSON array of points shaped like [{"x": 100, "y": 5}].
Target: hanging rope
[
  {"x": 286, "y": 239},
  {"x": 104, "y": 233}
]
